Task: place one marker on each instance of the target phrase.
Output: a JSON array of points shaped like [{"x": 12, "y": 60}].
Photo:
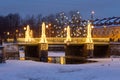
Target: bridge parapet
[
  {"x": 101, "y": 39},
  {"x": 53, "y": 40}
]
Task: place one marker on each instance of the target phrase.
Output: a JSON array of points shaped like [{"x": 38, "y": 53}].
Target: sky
[{"x": 102, "y": 8}]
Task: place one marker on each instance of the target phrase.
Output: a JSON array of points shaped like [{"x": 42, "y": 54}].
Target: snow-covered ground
[{"x": 104, "y": 69}]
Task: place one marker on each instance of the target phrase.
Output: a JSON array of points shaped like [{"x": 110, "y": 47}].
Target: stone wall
[{"x": 115, "y": 49}]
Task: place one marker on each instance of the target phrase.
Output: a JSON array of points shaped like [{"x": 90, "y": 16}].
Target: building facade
[{"x": 112, "y": 32}]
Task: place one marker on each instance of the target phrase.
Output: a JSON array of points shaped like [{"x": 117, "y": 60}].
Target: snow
[{"x": 104, "y": 69}]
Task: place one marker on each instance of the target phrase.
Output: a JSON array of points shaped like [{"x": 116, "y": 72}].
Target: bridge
[
  {"x": 75, "y": 48},
  {"x": 53, "y": 40}
]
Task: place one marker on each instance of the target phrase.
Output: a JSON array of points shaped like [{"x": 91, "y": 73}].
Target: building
[{"x": 112, "y": 32}]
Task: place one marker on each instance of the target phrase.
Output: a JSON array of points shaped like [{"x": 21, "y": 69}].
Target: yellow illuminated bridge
[{"x": 54, "y": 40}]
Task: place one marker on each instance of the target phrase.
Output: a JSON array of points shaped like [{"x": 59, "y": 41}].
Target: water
[
  {"x": 56, "y": 57},
  {"x": 60, "y": 58},
  {"x": 56, "y": 53}
]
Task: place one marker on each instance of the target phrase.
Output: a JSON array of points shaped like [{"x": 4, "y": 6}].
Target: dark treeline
[{"x": 12, "y": 25}]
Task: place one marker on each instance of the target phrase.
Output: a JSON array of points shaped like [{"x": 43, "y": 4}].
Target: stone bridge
[
  {"x": 77, "y": 48},
  {"x": 53, "y": 40}
]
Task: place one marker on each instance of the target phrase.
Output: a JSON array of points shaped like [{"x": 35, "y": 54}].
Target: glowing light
[
  {"x": 25, "y": 28},
  {"x": 92, "y": 12},
  {"x": 8, "y": 33},
  {"x": 65, "y": 29},
  {"x": 78, "y": 12},
  {"x": 28, "y": 34},
  {"x": 92, "y": 26},
  {"x": 104, "y": 26},
  {"x": 89, "y": 38},
  {"x": 16, "y": 30},
  {"x": 49, "y": 24},
  {"x": 43, "y": 36},
  {"x": 46, "y": 26},
  {"x": 22, "y": 58},
  {"x": 68, "y": 38},
  {"x": 49, "y": 59},
  {"x": 62, "y": 60}
]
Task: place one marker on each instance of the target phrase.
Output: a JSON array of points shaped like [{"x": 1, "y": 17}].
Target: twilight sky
[{"x": 102, "y": 8}]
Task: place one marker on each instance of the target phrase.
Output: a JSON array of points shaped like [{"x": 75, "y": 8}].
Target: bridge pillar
[
  {"x": 114, "y": 49},
  {"x": 101, "y": 50},
  {"x": 88, "y": 50},
  {"x": 74, "y": 54},
  {"x": 43, "y": 51}
]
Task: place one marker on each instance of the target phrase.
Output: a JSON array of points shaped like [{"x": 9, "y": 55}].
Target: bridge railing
[
  {"x": 101, "y": 39},
  {"x": 52, "y": 40}
]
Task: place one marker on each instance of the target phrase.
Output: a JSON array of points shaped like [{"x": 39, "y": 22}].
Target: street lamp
[
  {"x": 47, "y": 30},
  {"x": 24, "y": 31},
  {"x": 48, "y": 27},
  {"x": 92, "y": 16},
  {"x": 8, "y": 33},
  {"x": 24, "y": 28}
]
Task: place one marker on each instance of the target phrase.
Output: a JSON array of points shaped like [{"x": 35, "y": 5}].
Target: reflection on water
[{"x": 56, "y": 57}]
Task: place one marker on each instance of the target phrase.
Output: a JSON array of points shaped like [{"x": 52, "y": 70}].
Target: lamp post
[
  {"x": 92, "y": 16},
  {"x": 15, "y": 35},
  {"x": 24, "y": 31},
  {"x": 92, "y": 20},
  {"x": 47, "y": 32},
  {"x": 8, "y": 34}
]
